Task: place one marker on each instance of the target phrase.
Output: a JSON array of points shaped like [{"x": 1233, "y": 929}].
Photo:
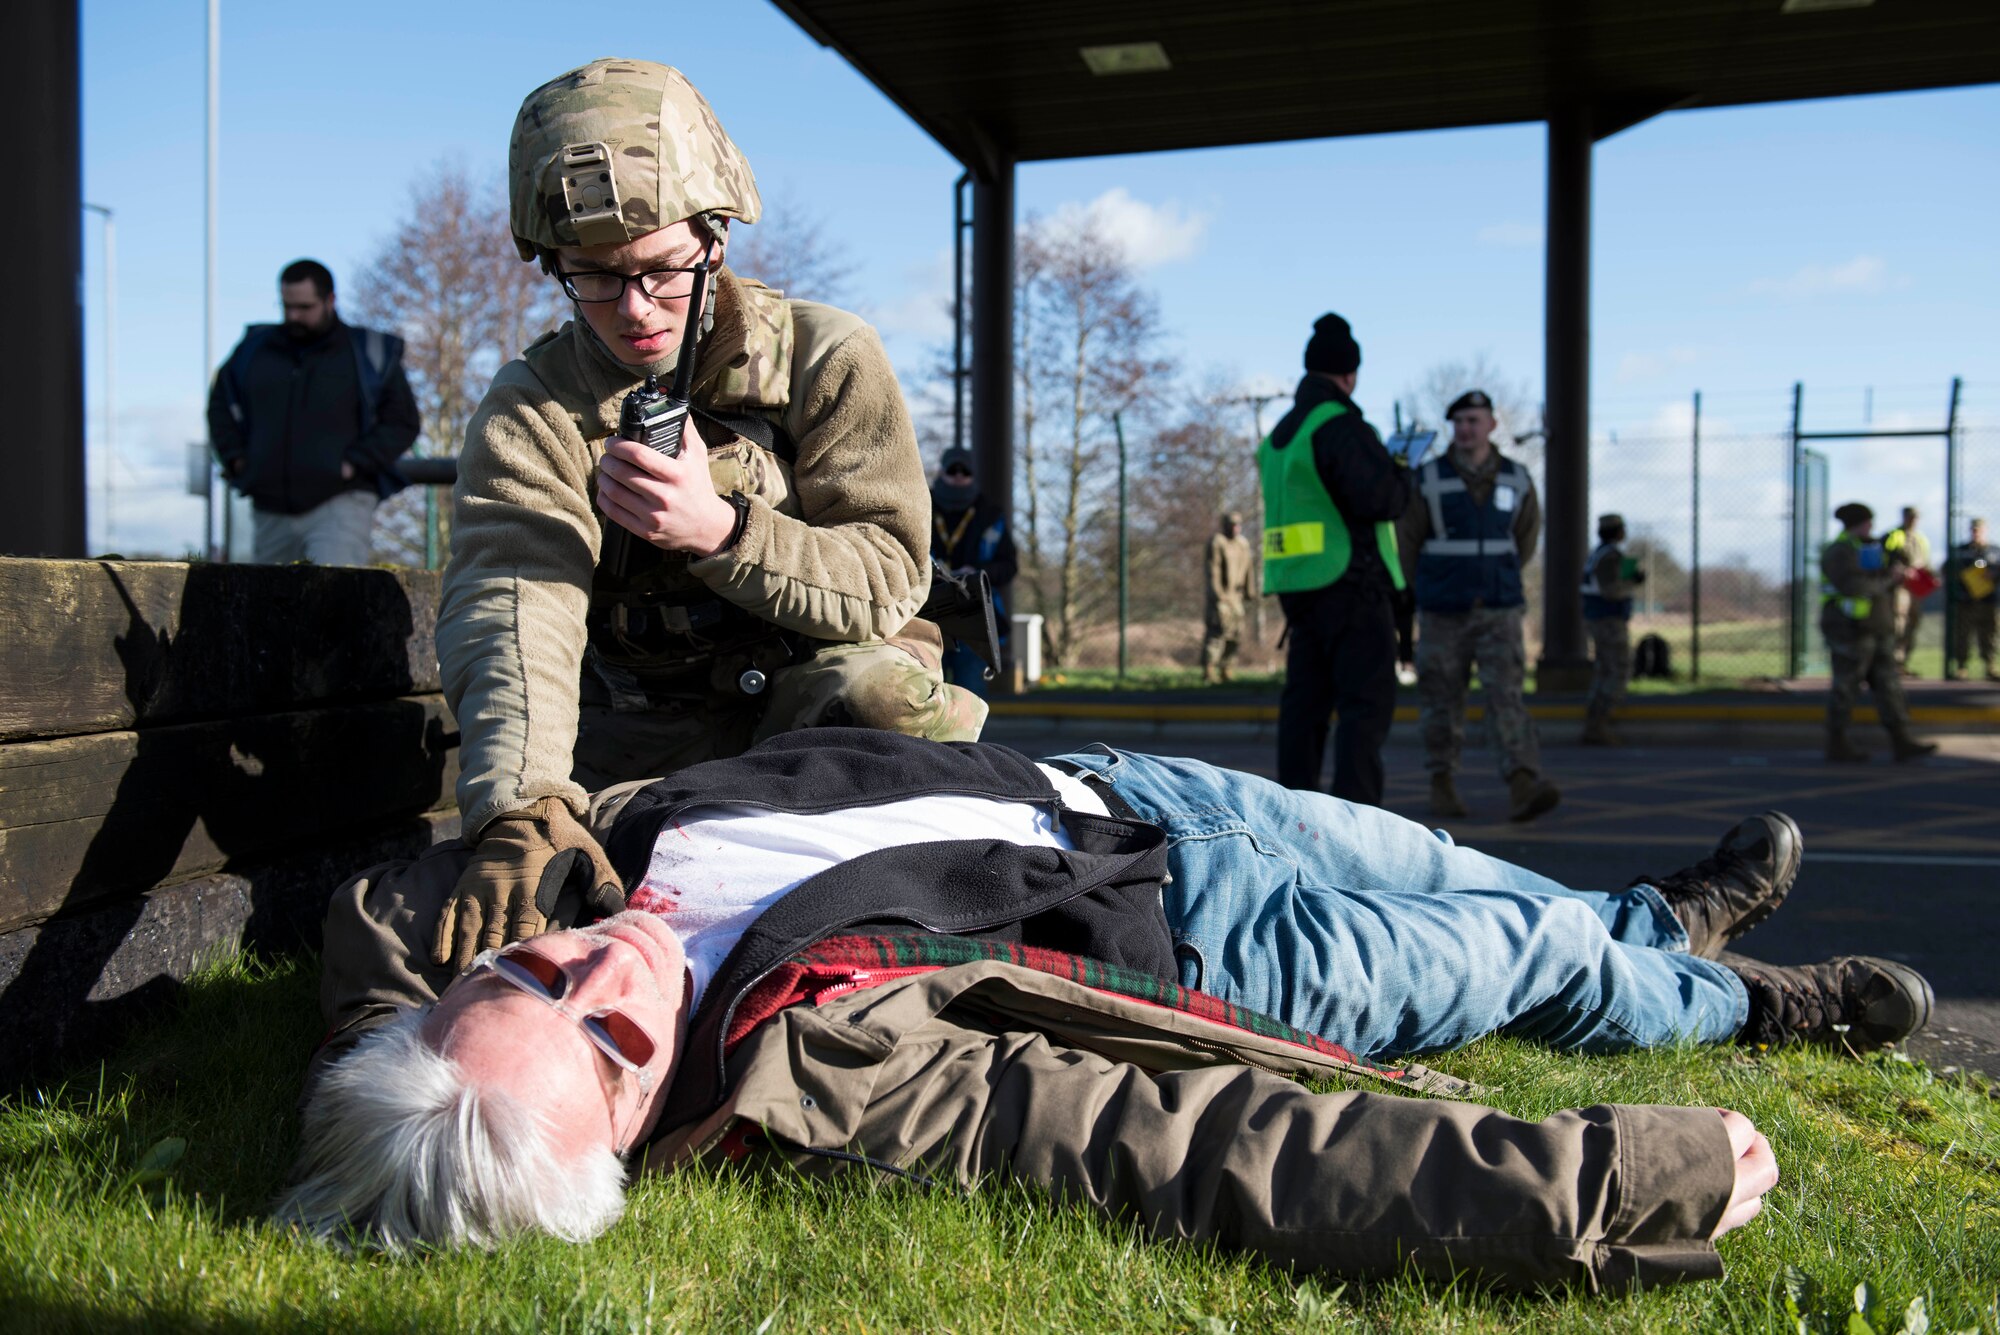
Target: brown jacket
[
  {"x": 843, "y": 559},
  {"x": 1229, "y": 567},
  {"x": 1190, "y": 1126}
]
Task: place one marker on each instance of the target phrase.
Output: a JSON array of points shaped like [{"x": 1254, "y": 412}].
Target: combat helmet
[{"x": 616, "y": 149}]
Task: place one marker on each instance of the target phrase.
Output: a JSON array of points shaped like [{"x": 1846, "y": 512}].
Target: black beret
[
  {"x": 1472, "y": 398},
  {"x": 1853, "y": 513}
]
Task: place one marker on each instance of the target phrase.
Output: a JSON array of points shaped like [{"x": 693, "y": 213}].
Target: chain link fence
[{"x": 1732, "y": 582}]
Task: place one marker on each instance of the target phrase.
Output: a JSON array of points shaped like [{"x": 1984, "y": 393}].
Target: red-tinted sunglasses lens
[{"x": 619, "y": 1037}]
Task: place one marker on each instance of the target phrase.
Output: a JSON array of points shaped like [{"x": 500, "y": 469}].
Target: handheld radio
[{"x": 657, "y": 418}]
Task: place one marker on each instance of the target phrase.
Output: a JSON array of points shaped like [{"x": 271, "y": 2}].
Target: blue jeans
[{"x": 1391, "y": 940}]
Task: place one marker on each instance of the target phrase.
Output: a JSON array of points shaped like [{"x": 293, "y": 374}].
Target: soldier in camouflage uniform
[
  {"x": 1228, "y": 564},
  {"x": 1473, "y": 524},
  {"x": 779, "y": 560},
  {"x": 1609, "y": 580},
  {"x": 1858, "y": 617}
]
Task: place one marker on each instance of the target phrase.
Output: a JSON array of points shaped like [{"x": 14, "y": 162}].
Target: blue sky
[{"x": 1847, "y": 244}]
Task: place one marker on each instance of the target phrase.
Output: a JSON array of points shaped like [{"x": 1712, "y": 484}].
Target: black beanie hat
[{"x": 1332, "y": 348}]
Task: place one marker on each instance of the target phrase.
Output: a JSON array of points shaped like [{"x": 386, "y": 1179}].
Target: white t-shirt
[{"x": 717, "y": 868}]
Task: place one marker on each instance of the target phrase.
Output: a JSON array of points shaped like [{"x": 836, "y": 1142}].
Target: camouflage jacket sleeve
[
  {"x": 855, "y": 564},
  {"x": 510, "y": 632},
  {"x": 1528, "y": 523}
]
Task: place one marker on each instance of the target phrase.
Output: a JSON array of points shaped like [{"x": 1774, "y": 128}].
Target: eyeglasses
[
  {"x": 623, "y": 1040},
  {"x": 958, "y": 470},
  {"x": 599, "y": 285}
]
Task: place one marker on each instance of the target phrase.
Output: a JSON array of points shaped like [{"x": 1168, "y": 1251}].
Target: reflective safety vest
[
  {"x": 1856, "y": 608},
  {"x": 1596, "y": 607},
  {"x": 1469, "y": 560},
  {"x": 1306, "y": 542}
]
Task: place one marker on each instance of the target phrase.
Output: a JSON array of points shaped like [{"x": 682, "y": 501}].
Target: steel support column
[
  {"x": 1566, "y": 415},
  {"x": 993, "y": 332},
  {"x": 41, "y": 340}
]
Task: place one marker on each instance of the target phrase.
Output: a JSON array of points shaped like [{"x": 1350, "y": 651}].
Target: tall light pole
[
  {"x": 110, "y": 436},
  {"x": 214, "y": 161}
]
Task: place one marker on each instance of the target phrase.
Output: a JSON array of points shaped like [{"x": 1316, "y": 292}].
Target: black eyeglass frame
[{"x": 568, "y": 277}]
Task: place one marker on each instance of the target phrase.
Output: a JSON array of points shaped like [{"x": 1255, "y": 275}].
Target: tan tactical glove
[{"x": 522, "y": 867}]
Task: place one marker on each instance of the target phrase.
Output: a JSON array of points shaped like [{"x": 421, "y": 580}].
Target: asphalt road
[{"x": 1901, "y": 860}]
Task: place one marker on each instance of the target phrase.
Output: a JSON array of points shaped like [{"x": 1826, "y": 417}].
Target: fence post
[
  {"x": 1950, "y": 511},
  {"x": 1694, "y": 570},
  {"x": 1794, "y": 632},
  {"x": 1124, "y": 571}
]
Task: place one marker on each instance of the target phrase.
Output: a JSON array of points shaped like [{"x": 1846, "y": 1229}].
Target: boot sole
[
  {"x": 1540, "y": 804},
  {"x": 1913, "y": 989},
  {"x": 1788, "y": 872}
]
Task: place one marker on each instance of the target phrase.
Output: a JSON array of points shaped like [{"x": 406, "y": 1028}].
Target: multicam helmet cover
[{"x": 617, "y": 149}]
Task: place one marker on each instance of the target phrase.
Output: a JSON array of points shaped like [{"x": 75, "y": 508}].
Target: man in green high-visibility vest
[{"x": 1331, "y": 496}]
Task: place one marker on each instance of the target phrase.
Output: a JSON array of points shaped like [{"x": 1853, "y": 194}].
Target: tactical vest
[
  {"x": 1596, "y": 607},
  {"x": 1854, "y": 608},
  {"x": 1469, "y": 560},
  {"x": 661, "y": 625},
  {"x": 1306, "y": 542}
]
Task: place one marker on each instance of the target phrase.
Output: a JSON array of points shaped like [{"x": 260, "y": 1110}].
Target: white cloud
[
  {"x": 1151, "y": 235},
  {"x": 1862, "y": 274},
  {"x": 1511, "y": 234},
  {"x": 1646, "y": 365}
]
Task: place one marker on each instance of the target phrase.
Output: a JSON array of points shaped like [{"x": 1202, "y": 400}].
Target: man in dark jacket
[
  {"x": 1331, "y": 496},
  {"x": 987, "y": 951},
  {"x": 969, "y": 533},
  {"x": 308, "y": 419}
]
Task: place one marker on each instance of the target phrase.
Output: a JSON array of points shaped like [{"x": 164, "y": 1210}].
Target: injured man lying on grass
[{"x": 1100, "y": 974}]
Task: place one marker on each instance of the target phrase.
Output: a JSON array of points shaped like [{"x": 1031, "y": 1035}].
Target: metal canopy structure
[
  {"x": 998, "y": 83},
  {"x": 1010, "y": 79}
]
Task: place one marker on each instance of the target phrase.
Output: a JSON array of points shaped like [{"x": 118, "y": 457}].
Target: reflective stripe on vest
[{"x": 1306, "y": 540}]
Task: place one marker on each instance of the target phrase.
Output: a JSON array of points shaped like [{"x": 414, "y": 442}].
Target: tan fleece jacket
[{"x": 849, "y": 566}]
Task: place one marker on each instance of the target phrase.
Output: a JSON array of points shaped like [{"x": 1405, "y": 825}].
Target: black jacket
[
  {"x": 290, "y": 413},
  {"x": 1365, "y": 481},
  {"x": 973, "y": 551},
  {"x": 1101, "y": 899}
]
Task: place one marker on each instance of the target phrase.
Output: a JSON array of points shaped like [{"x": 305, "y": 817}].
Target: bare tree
[
  {"x": 449, "y": 280},
  {"x": 1088, "y": 348},
  {"x": 790, "y": 249}
]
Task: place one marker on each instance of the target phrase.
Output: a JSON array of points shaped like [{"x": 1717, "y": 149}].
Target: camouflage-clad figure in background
[
  {"x": 1229, "y": 565},
  {"x": 1473, "y": 525},
  {"x": 1858, "y": 618},
  {"x": 777, "y": 562},
  {"x": 1609, "y": 579},
  {"x": 1972, "y": 581}
]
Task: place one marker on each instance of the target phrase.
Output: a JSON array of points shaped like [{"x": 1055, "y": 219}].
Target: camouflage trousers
[
  {"x": 1611, "y": 663},
  {"x": 1861, "y": 656},
  {"x": 1972, "y": 622},
  {"x": 1223, "y": 635},
  {"x": 896, "y": 684},
  {"x": 1449, "y": 644}
]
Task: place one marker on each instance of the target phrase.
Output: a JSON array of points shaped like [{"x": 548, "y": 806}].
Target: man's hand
[
  {"x": 521, "y": 866},
  {"x": 346, "y": 471},
  {"x": 669, "y": 502},
  {"x": 1756, "y": 1171}
]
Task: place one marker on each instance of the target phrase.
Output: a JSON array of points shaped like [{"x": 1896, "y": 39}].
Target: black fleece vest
[{"x": 1100, "y": 899}]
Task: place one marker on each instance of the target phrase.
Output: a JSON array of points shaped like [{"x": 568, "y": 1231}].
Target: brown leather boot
[
  {"x": 1530, "y": 794},
  {"x": 1855, "y": 1002},
  {"x": 1597, "y": 731},
  {"x": 1842, "y": 751},
  {"x": 1902, "y": 746},
  {"x": 1445, "y": 800}
]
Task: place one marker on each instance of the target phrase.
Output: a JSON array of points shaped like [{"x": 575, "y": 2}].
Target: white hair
[{"x": 399, "y": 1150}]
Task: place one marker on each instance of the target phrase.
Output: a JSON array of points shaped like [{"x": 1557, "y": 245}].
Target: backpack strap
[
  {"x": 374, "y": 353},
  {"x": 759, "y": 431}
]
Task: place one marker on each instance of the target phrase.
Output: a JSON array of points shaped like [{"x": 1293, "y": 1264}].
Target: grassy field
[{"x": 135, "y": 1192}]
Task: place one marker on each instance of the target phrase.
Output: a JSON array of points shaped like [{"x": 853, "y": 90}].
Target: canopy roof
[{"x": 993, "y": 79}]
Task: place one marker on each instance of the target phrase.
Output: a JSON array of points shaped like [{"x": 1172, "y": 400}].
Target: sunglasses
[
  {"x": 956, "y": 471},
  {"x": 623, "y": 1040}
]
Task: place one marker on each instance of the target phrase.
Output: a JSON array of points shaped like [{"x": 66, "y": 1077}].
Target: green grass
[{"x": 1891, "y": 1178}]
